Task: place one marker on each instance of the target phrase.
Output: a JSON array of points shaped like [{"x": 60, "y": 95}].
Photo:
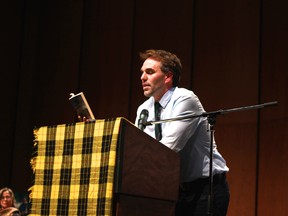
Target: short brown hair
[{"x": 169, "y": 62}]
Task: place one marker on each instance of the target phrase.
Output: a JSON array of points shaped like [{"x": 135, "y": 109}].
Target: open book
[{"x": 81, "y": 105}]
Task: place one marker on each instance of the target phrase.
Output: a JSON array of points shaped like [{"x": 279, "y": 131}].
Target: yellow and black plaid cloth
[{"x": 74, "y": 168}]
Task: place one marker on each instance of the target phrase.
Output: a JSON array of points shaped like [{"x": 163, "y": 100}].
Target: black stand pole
[
  {"x": 211, "y": 118},
  {"x": 212, "y": 121}
]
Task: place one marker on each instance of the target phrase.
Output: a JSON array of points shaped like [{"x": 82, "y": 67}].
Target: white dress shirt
[{"x": 190, "y": 137}]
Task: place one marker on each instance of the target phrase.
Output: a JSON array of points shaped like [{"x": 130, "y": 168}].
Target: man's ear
[{"x": 169, "y": 77}]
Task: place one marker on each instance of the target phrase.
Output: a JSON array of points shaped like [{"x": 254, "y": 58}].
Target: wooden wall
[{"x": 234, "y": 54}]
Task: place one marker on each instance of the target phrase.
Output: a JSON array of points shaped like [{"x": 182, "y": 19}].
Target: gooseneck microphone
[{"x": 143, "y": 119}]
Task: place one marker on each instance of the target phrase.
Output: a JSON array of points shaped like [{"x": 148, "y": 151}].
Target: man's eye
[{"x": 150, "y": 71}]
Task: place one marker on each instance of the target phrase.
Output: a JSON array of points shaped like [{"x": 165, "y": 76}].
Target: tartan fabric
[{"x": 74, "y": 168}]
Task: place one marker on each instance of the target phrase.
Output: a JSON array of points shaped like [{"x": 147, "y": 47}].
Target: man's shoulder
[
  {"x": 183, "y": 92},
  {"x": 188, "y": 97}
]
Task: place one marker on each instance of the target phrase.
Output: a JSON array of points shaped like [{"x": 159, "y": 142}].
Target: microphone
[{"x": 143, "y": 119}]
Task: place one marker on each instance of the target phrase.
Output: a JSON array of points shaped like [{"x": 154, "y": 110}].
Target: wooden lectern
[
  {"x": 147, "y": 175},
  {"x": 107, "y": 167}
]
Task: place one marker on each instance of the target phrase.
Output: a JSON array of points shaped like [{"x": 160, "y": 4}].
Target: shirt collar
[{"x": 166, "y": 97}]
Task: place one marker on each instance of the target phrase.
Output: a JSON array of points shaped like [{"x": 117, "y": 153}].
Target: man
[{"x": 160, "y": 77}]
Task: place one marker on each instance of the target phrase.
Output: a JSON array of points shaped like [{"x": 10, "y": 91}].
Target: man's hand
[{"x": 84, "y": 119}]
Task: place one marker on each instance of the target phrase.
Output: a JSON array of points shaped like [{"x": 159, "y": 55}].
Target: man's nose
[{"x": 143, "y": 76}]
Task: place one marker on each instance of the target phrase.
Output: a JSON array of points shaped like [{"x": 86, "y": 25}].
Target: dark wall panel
[
  {"x": 106, "y": 57},
  {"x": 225, "y": 76},
  {"x": 11, "y": 33},
  {"x": 273, "y": 149}
]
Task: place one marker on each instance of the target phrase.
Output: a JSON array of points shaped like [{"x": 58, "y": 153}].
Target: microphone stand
[{"x": 211, "y": 118}]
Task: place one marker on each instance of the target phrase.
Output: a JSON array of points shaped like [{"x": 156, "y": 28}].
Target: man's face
[
  {"x": 6, "y": 200},
  {"x": 154, "y": 82}
]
